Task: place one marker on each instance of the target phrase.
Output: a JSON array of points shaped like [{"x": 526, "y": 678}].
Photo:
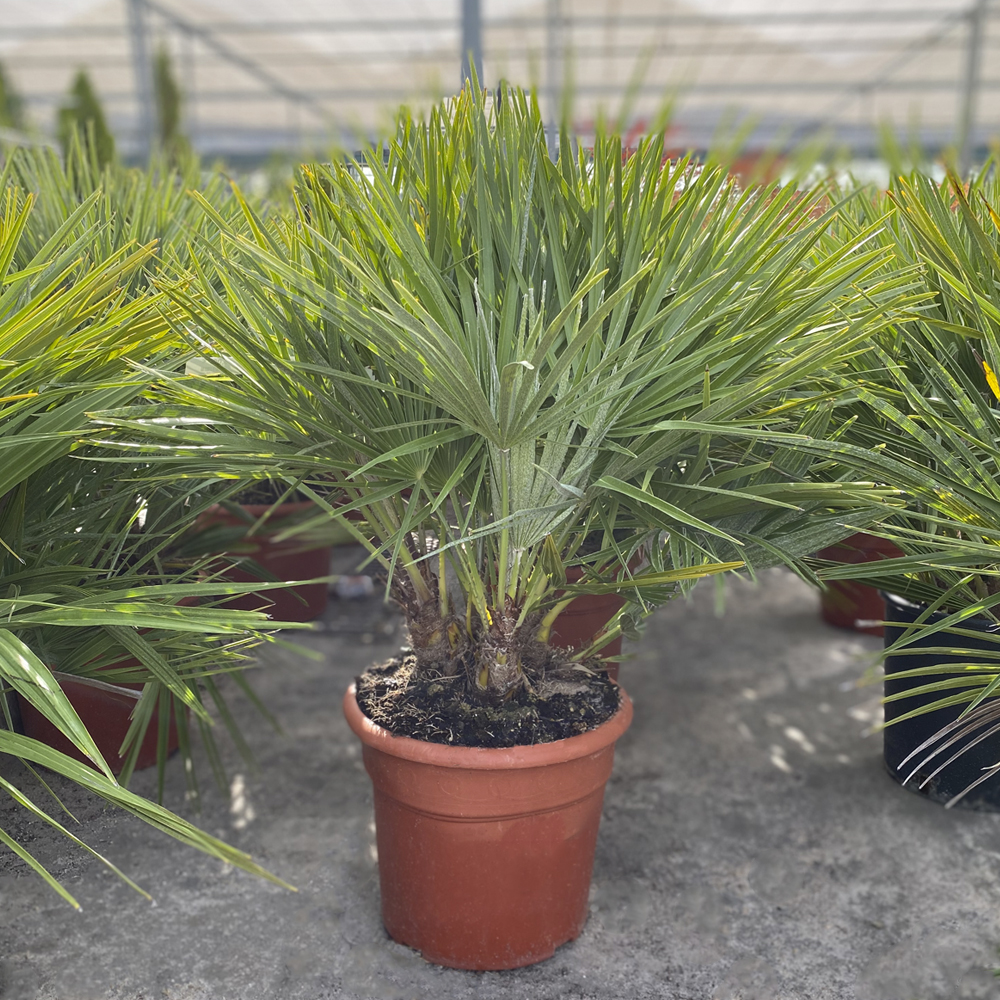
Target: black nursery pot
[{"x": 901, "y": 739}]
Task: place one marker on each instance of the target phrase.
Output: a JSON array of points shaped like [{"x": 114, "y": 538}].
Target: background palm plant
[
  {"x": 82, "y": 117},
  {"x": 113, "y": 206},
  {"x": 922, "y": 402},
  {"x": 514, "y": 366},
  {"x": 84, "y": 546},
  {"x": 922, "y": 412}
]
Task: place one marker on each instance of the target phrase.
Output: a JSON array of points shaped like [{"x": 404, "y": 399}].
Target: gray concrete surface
[{"x": 752, "y": 846}]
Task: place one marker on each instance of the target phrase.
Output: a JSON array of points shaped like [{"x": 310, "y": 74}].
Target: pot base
[
  {"x": 941, "y": 791},
  {"x": 522, "y": 961},
  {"x": 534, "y": 871}
]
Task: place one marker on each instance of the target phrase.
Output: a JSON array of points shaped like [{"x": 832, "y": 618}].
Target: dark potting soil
[{"x": 565, "y": 702}]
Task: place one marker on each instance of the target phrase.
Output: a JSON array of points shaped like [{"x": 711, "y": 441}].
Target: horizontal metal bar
[
  {"x": 893, "y": 16},
  {"x": 311, "y": 59},
  {"x": 236, "y": 28},
  {"x": 764, "y": 87},
  {"x": 705, "y": 49},
  {"x": 868, "y": 15}
]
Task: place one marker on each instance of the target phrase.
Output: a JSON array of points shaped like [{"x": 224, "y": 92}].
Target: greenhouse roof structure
[{"x": 258, "y": 76}]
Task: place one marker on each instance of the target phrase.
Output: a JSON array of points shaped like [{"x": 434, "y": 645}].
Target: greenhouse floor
[{"x": 752, "y": 845}]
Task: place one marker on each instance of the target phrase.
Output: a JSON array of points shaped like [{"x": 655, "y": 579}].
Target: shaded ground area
[{"x": 752, "y": 845}]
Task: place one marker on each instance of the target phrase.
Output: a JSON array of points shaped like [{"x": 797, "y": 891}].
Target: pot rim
[
  {"x": 981, "y": 624},
  {"x": 900, "y": 600},
  {"x": 487, "y": 758},
  {"x": 256, "y": 509},
  {"x": 858, "y": 543}
]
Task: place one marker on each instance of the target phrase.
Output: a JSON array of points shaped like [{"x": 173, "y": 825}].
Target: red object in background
[
  {"x": 585, "y": 616},
  {"x": 287, "y": 560},
  {"x": 107, "y": 716},
  {"x": 581, "y": 620},
  {"x": 485, "y": 855},
  {"x": 845, "y": 602}
]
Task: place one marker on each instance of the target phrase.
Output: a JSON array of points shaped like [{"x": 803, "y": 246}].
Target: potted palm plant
[
  {"x": 112, "y": 206},
  {"x": 924, "y": 418},
  {"x": 88, "y": 603},
  {"x": 522, "y": 373}
]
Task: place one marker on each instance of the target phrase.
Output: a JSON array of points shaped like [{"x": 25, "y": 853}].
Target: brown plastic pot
[
  {"x": 580, "y": 622},
  {"x": 485, "y": 855},
  {"x": 287, "y": 560},
  {"x": 106, "y": 711},
  {"x": 846, "y": 602},
  {"x": 582, "y": 619}
]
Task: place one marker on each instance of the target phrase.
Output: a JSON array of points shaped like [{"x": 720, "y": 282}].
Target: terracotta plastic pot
[
  {"x": 902, "y": 738},
  {"x": 585, "y": 616},
  {"x": 846, "y": 602},
  {"x": 485, "y": 855},
  {"x": 106, "y": 712},
  {"x": 287, "y": 560}
]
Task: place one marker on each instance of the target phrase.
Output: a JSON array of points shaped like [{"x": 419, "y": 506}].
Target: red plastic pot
[
  {"x": 579, "y": 623},
  {"x": 287, "y": 560},
  {"x": 845, "y": 602},
  {"x": 106, "y": 712},
  {"x": 485, "y": 855},
  {"x": 582, "y": 619}
]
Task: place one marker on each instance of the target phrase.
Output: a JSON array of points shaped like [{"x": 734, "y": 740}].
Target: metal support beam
[
  {"x": 472, "y": 41},
  {"x": 970, "y": 85},
  {"x": 143, "y": 69},
  {"x": 553, "y": 72},
  {"x": 188, "y": 63}
]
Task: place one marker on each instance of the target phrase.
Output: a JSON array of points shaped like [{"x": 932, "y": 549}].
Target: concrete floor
[{"x": 752, "y": 846}]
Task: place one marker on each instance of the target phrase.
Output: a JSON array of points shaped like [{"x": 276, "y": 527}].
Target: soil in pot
[
  {"x": 844, "y": 603},
  {"x": 902, "y": 738},
  {"x": 560, "y": 704},
  {"x": 291, "y": 559},
  {"x": 485, "y": 854}
]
